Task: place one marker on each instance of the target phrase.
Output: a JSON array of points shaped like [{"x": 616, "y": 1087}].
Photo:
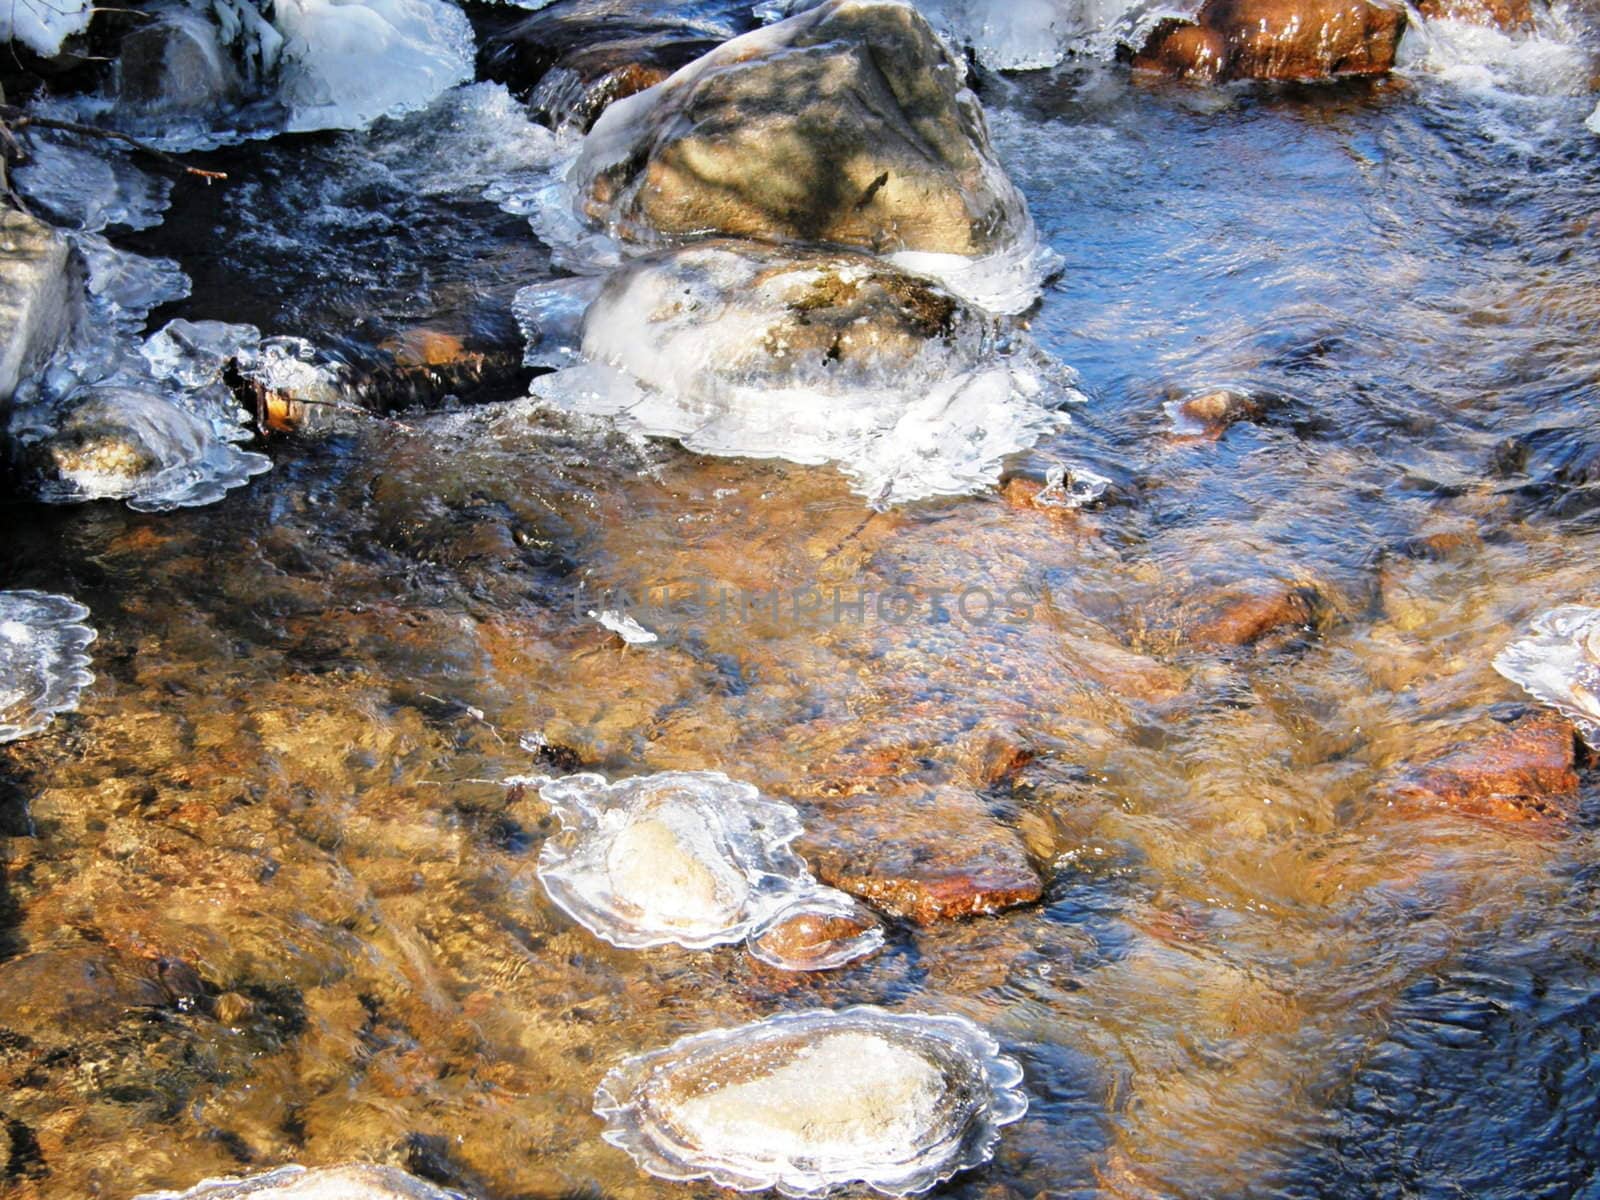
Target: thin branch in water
[{"x": 19, "y": 118}]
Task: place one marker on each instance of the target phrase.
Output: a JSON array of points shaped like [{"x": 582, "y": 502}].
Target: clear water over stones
[
  {"x": 43, "y": 667},
  {"x": 811, "y": 1102}
]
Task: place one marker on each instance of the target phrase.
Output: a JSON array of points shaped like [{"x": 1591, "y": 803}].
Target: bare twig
[{"x": 19, "y": 118}]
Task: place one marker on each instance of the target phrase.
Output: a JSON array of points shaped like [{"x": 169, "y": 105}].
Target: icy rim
[
  {"x": 356, "y": 1182},
  {"x": 752, "y": 833},
  {"x": 986, "y": 1097},
  {"x": 826, "y": 903},
  {"x": 43, "y": 666},
  {"x": 1560, "y": 665}
]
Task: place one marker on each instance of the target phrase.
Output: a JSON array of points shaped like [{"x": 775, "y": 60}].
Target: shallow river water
[{"x": 270, "y": 896}]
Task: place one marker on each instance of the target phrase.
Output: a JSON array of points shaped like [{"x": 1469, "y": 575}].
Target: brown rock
[
  {"x": 932, "y": 857},
  {"x": 811, "y": 936},
  {"x": 1504, "y": 14},
  {"x": 1527, "y": 772},
  {"x": 1244, "y": 614},
  {"x": 1277, "y": 39},
  {"x": 1209, "y": 414},
  {"x": 586, "y": 81}
]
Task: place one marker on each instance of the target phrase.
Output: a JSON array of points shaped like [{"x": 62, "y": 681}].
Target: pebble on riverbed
[
  {"x": 1526, "y": 772},
  {"x": 811, "y": 1102}
]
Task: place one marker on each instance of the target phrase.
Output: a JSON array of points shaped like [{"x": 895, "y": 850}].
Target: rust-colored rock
[
  {"x": 938, "y": 856},
  {"x": 586, "y": 81},
  {"x": 1503, "y": 14},
  {"x": 1209, "y": 414},
  {"x": 1244, "y": 614},
  {"x": 1526, "y": 772},
  {"x": 1277, "y": 39},
  {"x": 810, "y": 934}
]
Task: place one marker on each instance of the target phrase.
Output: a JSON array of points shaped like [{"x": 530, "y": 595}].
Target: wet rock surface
[{"x": 1277, "y": 39}]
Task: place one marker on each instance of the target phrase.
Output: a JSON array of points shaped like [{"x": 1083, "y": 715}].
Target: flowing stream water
[{"x": 270, "y": 894}]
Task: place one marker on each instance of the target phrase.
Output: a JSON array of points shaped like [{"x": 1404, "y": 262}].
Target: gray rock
[
  {"x": 175, "y": 64},
  {"x": 40, "y": 293}
]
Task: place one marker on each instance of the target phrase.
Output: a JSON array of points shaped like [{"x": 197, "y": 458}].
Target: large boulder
[
  {"x": 849, "y": 124},
  {"x": 1277, "y": 39},
  {"x": 175, "y": 64},
  {"x": 40, "y": 290}
]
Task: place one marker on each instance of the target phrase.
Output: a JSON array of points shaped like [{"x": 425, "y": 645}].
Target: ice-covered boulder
[
  {"x": 177, "y": 62},
  {"x": 850, "y": 124},
  {"x": 814, "y": 1102},
  {"x": 1559, "y": 665},
  {"x": 40, "y": 293},
  {"x": 736, "y": 348},
  {"x": 1278, "y": 39}
]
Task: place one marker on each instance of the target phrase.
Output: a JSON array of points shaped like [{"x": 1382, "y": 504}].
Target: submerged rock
[
  {"x": 1510, "y": 15},
  {"x": 43, "y": 667},
  {"x": 39, "y": 297},
  {"x": 849, "y": 124},
  {"x": 812, "y": 356},
  {"x": 811, "y": 1102},
  {"x": 1277, "y": 39},
  {"x": 928, "y": 858},
  {"x": 359, "y": 1182},
  {"x": 686, "y": 857},
  {"x": 1560, "y": 665},
  {"x": 1525, "y": 772},
  {"x": 1208, "y": 414}
]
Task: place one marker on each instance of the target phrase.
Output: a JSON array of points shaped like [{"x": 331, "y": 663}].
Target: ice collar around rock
[
  {"x": 358, "y": 1182},
  {"x": 691, "y": 858},
  {"x": 813, "y": 1102},
  {"x": 43, "y": 661}
]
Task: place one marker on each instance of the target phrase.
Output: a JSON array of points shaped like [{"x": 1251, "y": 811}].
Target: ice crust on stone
[
  {"x": 686, "y": 857},
  {"x": 358, "y": 1182},
  {"x": 117, "y": 416},
  {"x": 625, "y": 627},
  {"x": 817, "y": 932},
  {"x": 722, "y": 346},
  {"x": 1593, "y": 123},
  {"x": 1559, "y": 665},
  {"x": 88, "y": 189},
  {"x": 43, "y": 666},
  {"x": 1070, "y": 487},
  {"x": 42, "y": 25},
  {"x": 813, "y": 1102}
]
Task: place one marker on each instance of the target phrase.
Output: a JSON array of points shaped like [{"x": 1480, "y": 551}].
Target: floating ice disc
[
  {"x": 1560, "y": 665},
  {"x": 42, "y": 663},
  {"x": 817, "y": 932},
  {"x": 811, "y": 1102},
  {"x": 328, "y": 1183},
  {"x": 690, "y": 857}
]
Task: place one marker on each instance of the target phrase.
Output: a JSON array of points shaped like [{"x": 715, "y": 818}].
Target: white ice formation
[
  {"x": 43, "y": 664},
  {"x": 1559, "y": 665},
  {"x": 813, "y": 1102},
  {"x": 690, "y": 858}
]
